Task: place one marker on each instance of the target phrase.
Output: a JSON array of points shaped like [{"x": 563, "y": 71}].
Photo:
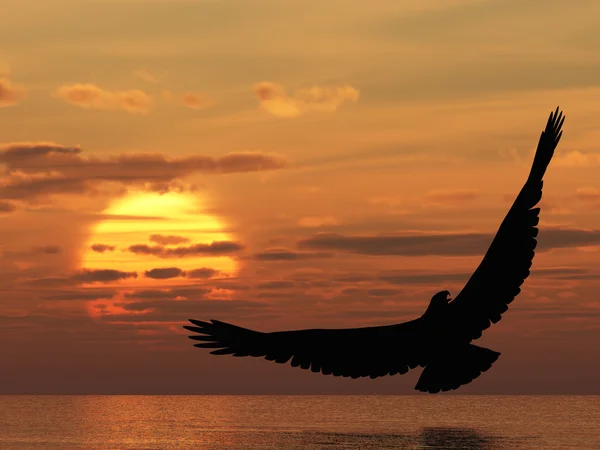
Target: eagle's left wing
[{"x": 349, "y": 352}]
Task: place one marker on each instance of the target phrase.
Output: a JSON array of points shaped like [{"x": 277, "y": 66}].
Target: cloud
[
  {"x": 47, "y": 250},
  {"x": 102, "y": 275},
  {"x": 577, "y": 159},
  {"x": 180, "y": 310},
  {"x": 81, "y": 296},
  {"x": 383, "y": 292},
  {"x": 35, "y": 170},
  {"x": 450, "y": 196},
  {"x": 146, "y": 76},
  {"x": 407, "y": 245},
  {"x": 195, "y": 101},
  {"x": 101, "y": 248},
  {"x": 284, "y": 254},
  {"x": 588, "y": 194},
  {"x": 550, "y": 238},
  {"x": 90, "y": 96},
  {"x": 164, "y": 273},
  {"x": 43, "y": 250},
  {"x": 10, "y": 94},
  {"x": 214, "y": 249},
  {"x": 317, "y": 222},
  {"x": 7, "y": 207},
  {"x": 203, "y": 272},
  {"x": 168, "y": 240},
  {"x": 405, "y": 277},
  {"x": 168, "y": 294},
  {"x": 278, "y": 284},
  {"x": 442, "y": 244},
  {"x": 275, "y": 101},
  {"x": 16, "y": 155}
]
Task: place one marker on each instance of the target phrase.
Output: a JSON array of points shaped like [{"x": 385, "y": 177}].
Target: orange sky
[{"x": 276, "y": 164}]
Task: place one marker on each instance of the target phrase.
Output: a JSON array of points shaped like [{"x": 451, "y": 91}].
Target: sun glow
[{"x": 165, "y": 223}]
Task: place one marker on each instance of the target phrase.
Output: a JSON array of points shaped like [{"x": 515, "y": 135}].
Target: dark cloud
[
  {"x": 406, "y": 245},
  {"x": 284, "y": 254},
  {"x": 442, "y": 244},
  {"x": 168, "y": 240},
  {"x": 405, "y": 277},
  {"x": 214, "y": 249},
  {"x": 566, "y": 273},
  {"x": 18, "y": 154},
  {"x": 81, "y": 295},
  {"x": 232, "y": 285},
  {"x": 101, "y": 248},
  {"x": 36, "y": 170},
  {"x": 203, "y": 272},
  {"x": 382, "y": 292},
  {"x": 102, "y": 275},
  {"x": 567, "y": 237},
  {"x": 47, "y": 250},
  {"x": 43, "y": 250},
  {"x": 278, "y": 284},
  {"x": 179, "y": 311},
  {"x": 49, "y": 282},
  {"x": 168, "y": 294},
  {"x": 352, "y": 278},
  {"x": 164, "y": 273},
  {"x": 7, "y": 207}
]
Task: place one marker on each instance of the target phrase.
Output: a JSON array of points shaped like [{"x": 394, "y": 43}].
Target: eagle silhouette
[{"x": 439, "y": 340}]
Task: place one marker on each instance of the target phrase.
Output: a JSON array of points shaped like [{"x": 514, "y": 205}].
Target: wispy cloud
[
  {"x": 196, "y": 101},
  {"x": 214, "y": 248},
  {"x": 164, "y": 273},
  {"x": 317, "y": 221},
  {"x": 274, "y": 99},
  {"x": 103, "y": 275},
  {"x": 36, "y": 170},
  {"x": 450, "y": 196},
  {"x": 451, "y": 244},
  {"x": 7, "y": 207},
  {"x": 146, "y": 76},
  {"x": 90, "y": 96},
  {"x": 10, "y": 94}
]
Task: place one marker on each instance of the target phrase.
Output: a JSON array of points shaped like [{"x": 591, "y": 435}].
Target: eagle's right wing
[
  {"x": 352, "y": 352},
  {"x": 499, "y": 277}
]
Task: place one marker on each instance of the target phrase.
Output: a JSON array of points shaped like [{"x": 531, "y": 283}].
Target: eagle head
[
  {"x": 441, "y": 298},
  {"x": 438, "y": 303}
]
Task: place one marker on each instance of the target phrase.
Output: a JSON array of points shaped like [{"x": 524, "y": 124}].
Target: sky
[{"x": 283, "y": 165}]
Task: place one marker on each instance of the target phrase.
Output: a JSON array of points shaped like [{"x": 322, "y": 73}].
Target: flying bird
[{"x": 440, "y": 340}]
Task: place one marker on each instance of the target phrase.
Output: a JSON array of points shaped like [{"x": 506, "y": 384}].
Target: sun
[{"x": 168, "y": 221}]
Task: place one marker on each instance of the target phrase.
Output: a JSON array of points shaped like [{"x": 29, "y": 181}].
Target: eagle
[{"x": 440, "y": 340}]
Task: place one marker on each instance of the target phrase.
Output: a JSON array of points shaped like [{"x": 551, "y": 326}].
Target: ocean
[{"x": 299, "y": 422}]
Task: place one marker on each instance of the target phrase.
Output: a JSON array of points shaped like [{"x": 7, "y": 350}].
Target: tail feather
[{"x": 455, "y": 369}]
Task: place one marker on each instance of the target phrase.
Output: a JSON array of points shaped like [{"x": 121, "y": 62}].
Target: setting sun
[{"x": 155, "y": 234}]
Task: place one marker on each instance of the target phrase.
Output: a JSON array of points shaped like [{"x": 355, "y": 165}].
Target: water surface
[{"x": 299, "y": 422}]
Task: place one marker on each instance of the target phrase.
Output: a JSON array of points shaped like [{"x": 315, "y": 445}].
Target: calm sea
[{"x": 299, "y": 422}]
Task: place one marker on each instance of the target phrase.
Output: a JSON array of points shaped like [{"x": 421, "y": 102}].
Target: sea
[{"x": 299, "y": 422}]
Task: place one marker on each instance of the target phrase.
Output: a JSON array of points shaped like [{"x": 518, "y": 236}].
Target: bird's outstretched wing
[
  {"x": 498, "y": 279},
  {"x": 352, "y": 352}
]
